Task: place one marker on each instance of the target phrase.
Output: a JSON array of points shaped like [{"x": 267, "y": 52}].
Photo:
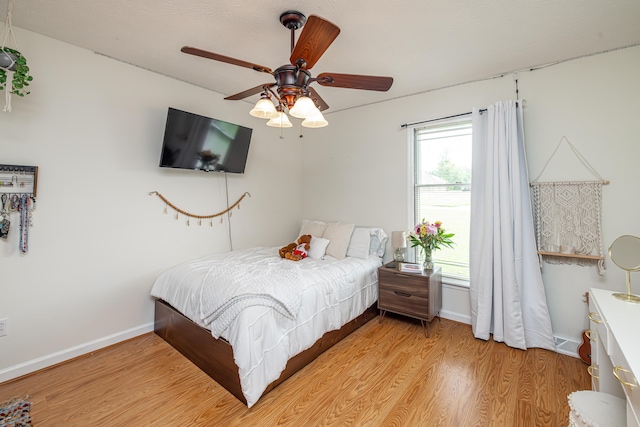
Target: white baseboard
[
  {"x": 452, "y": 315},
  {"x": 563, "y": 345},
  {"x": 69, "y": 353}
]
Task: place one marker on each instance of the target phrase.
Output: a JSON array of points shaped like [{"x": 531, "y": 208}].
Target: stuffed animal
[
  {"x": 287, "y": 249},
  {"x": 299, "y": 249}
]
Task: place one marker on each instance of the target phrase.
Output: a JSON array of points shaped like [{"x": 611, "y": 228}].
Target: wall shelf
[{"x": 594, "y": 257}]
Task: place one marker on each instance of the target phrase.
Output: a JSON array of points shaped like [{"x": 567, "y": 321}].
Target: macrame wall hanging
[
  {"x": 189, "y": 215},
  {"x": 568, "y": 218}
]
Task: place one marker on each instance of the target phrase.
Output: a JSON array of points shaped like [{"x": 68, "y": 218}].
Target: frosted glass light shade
[
  {"x": 264, "y": 109},
  {"x": 315, "y": 121},
  {"x": 282, "y": 121},
  {"x": 303, "y": 108}
]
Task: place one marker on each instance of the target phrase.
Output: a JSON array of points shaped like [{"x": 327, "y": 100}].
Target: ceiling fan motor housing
[{"x": 291, "y": 82}]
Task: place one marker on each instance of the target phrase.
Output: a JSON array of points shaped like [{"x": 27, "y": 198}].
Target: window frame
[{"x": 411, "y": 187}]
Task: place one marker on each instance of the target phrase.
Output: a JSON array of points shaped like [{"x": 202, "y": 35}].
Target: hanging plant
[
  {"x": 14, "y": 72},
  {"x": 16, "y": 65}
]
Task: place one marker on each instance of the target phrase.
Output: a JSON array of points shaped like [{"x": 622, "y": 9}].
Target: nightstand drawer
[
  {"x": 411, "y": 283},
  {"x": 403, "y": 302}
]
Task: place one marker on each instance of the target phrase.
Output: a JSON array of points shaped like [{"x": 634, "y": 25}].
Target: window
[{"x": 442, "y": 188}]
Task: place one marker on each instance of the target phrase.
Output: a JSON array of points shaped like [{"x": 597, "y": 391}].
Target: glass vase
[{"x": 428, "y": 260}]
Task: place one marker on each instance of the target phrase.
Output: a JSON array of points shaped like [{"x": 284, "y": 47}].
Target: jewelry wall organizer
[
  {"x": 189, "y": 215},
  {"x": 18, "y": 187},
  {"x": 568, "y": 218}
]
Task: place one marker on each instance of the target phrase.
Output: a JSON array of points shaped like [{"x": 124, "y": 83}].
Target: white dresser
[{"x": 615, "y": 349}]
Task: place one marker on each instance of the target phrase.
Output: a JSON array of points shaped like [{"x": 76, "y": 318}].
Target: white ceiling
[{"x": 422, "y": 44}]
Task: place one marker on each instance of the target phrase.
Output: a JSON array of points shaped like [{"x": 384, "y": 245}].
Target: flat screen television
[{"x": 196, "y": 142}]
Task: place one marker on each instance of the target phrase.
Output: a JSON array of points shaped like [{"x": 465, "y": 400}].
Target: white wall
[
  {"x": 94, "y": 127},
  {"x": 356, "y": 168},
  {"x": 594, "y": 103}
]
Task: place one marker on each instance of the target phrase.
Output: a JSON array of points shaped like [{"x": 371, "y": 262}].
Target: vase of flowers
[{"x": 430, "y": 236}]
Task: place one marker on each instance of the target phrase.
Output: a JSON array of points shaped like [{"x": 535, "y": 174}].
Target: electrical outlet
[{"x": 3, "y": 327}]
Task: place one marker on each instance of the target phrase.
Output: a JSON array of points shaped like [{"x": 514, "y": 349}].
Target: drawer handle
[
  {"x": 402, "y": 294},
  {"x": 589, "y": 335},
  {"x": 593, "y": 370},
  {"x": 616, "y": 373},
  {"x": 595, "y": 317}
]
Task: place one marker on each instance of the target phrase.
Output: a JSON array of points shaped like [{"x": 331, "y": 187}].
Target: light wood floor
[{"x": 385, "y": 374}]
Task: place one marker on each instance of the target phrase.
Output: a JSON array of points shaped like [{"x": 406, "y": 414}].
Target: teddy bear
[
  {"x": 298, "y": 250},
  {"x": 287, "y": 249}
]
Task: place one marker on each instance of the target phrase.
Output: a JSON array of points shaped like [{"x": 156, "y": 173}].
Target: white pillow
[
  {"x": 359, "y": 244},
  {"x": 378, "y": 239},
  {"x": 317, "y": 247},
  {"x": 339, "y": 235},
  {"x": 315, "y": 228}
]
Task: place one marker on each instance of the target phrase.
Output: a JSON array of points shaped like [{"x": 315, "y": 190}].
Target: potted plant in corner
[{"x": 12, "y": 61}]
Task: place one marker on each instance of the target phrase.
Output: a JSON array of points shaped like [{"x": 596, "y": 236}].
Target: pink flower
[{"x": 432, "y": 229}]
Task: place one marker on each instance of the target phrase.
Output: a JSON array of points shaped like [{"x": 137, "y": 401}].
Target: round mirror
[{"x": 625, "y": 253}]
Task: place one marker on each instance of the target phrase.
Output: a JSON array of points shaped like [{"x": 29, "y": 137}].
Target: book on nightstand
[{"x": 409, "y": 267}]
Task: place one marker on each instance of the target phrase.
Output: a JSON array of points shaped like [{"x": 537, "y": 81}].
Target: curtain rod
[
  {"x": 442, "y": 118},
  {"x": 435, "y": 120}
]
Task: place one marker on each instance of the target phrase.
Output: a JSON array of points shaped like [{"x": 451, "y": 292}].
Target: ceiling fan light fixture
[
  {"x": 303, "y": 108},
  {"x": 264, "y": 109},
  {"x": 315, "y": 121},
  {"x": 282, "y": 121}
]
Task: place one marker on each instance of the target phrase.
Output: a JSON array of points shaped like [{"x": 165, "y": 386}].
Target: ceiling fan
[{"x": 292, "y": 80}]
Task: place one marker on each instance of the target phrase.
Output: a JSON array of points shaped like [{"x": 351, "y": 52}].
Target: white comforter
[{"x": 324, "y": 294}]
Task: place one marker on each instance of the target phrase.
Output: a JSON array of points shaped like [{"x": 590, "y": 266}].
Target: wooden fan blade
[
  {"x": 217, "y": 57},
  {"x": 316, "y": 37},
  {"x": 317, "y": 99},
  {"x": 354, "y": 81},
  {"x": 248, "y": 92}
]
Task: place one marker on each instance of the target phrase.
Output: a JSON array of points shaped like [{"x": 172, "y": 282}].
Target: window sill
[{"x": 459, "y": 283}]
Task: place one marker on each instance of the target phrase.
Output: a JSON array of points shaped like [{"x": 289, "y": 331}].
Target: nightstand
[{"x": 417, "y": 295}]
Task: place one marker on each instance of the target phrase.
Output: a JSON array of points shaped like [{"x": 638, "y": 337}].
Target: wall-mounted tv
[{"x": 196, "y": 142}]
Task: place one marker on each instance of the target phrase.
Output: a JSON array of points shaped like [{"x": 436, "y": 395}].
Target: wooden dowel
[{"x": 593, "y": 257}]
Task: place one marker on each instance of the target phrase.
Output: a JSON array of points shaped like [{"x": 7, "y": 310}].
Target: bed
[{"x": 251, "y": 319}]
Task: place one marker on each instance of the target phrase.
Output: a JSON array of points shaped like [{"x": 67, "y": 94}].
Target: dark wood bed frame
[{"x": 215, "y": 356}]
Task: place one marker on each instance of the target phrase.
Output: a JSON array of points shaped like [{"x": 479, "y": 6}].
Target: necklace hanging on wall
[
  {"x": 26, "y": 207},
  {"x": 189, "y": 215},
  {"x": 4, "y": 223}
]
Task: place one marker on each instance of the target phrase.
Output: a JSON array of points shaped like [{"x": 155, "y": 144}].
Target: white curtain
[{"x": 507, "y": 294}]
